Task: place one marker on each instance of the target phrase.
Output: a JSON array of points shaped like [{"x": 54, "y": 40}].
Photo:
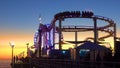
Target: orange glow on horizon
[
  {"x": 21, "y": 40},
  {"x": 20, "y": 44}
]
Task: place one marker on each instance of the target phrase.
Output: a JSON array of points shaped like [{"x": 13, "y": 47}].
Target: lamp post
[{"x": 12, "y": 46}]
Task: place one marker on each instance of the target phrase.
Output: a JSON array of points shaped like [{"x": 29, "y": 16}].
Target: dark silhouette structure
[{"x": 117, "y": 51}]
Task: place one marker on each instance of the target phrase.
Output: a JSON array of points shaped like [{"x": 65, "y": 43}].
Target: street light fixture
[{"x": 12, "y": 44}]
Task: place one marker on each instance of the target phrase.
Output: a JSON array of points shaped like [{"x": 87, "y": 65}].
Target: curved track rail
[
  {"x": 52, "y": 29},
  {"x": 85, "y": 14}
]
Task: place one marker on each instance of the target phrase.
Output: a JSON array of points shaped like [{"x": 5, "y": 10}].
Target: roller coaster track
[
  {"x": 77, "y": 14},
  {"x": 83, "y": 29}
]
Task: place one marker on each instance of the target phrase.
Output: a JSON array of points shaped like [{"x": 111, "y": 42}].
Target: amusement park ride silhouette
[{"x": 46, "y": 34}]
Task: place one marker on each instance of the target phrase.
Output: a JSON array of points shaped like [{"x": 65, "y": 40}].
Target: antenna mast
[{"x": 40, "y": 19}]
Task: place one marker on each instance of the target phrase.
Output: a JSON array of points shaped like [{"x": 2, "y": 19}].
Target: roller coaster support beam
[
  {"x": 60, "y": 24},
  {"x": 40, "y": 42},
  {"x": 95, "y": 30},
  {"x": 53, "y": 36},
  {"x": 75, "y": 38},
  {"x": 114, "y": 36}
]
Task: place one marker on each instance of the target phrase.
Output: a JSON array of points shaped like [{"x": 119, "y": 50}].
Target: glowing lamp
[{"x": 12, "y": 44}]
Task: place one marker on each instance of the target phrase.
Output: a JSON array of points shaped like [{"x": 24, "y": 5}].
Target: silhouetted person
[
  {"x": 78, "y": 14},
  {"x": 82, "y": 13},
  {"x": 16, "y": 58}
]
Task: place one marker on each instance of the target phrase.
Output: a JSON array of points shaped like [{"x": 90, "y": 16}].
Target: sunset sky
[{"x": 19, "y": 19}]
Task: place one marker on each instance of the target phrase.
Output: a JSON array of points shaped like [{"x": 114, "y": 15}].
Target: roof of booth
[{"x": 92, "y": 46}]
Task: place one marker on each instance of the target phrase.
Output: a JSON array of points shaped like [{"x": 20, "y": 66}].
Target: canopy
[{"x": 92, "y": 46}]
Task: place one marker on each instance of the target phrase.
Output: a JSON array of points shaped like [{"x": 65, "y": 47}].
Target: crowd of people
[{"x": 73, "y": 14}]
